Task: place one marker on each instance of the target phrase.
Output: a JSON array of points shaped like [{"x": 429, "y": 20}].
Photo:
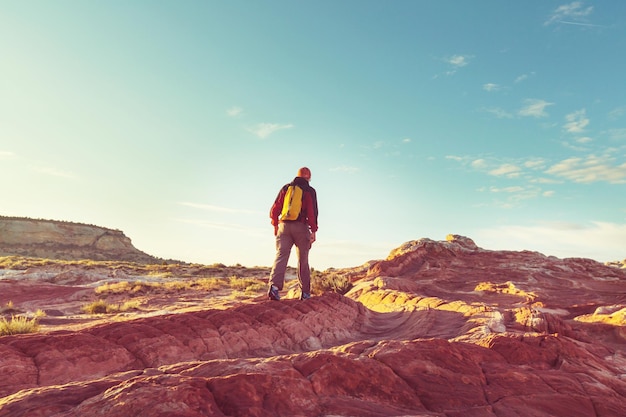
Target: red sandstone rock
[{"x": 436, "y": 329}]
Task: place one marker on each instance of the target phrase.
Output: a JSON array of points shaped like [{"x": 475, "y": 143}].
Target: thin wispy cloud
[
  {"x": 574, "y": 13},
  {"x": 491, "y": 87},
  {"x": 534, "y": 108},
  {"x": 520, "y": 78},
  {"x": 536, "y": 163},
  {"x": 209, "y": 207},
  {"x": 456, "y": 62},
  {"x": 513, "y": 189},
  {"x": 7, "y": 155},
  {"x": 234, "y": 111},
  {"x": 264, "y": 130},
  {"x": 576, "y": 122},
  {"x": 506, "y": 170},
  {"x": 584, "y": 139},
  {"x": 590, "y": 169}
]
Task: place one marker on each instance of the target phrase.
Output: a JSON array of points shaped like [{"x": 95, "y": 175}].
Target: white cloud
[
  {"x": 534, "y": 108},
  {"x": 234, "y": 111},
  {"x": 572, "y": 13},
  {"x": 455, "y": 158},
  {"x": 491, "y": 87},
  {"x": 210, "y": 207},
  {"x": 406, "y": 140},
  {"x": 507, "y": 170},
  {"x": 590, "y": 169},
  {"x": 263, "y": 130},
  {"x": 548, "y": 193},
  {"x": 513, "y": 189},
  {"x": 458, "y": 60},
  {"x": 576, "y": 121},
  {"x": 535, "y": 163},
  {"x": 521, "y": 78},
  {"x": 479, "y": 164},
  {"x": 6, "y": 155},
  {"x": 602, "y": 241}
]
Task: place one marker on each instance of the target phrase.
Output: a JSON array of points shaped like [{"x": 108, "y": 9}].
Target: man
[{"x": 299, "y": 232}]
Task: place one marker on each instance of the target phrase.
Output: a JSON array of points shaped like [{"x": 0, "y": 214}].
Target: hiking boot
[
  {"x": 273, "y": 294},
  {"x": 305, "y": 296}
]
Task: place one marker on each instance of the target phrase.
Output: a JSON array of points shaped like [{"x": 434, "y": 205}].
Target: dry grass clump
[
  {"x": 18, "y": 325},
  {"x": 102, "y": 307},
  {"x": 247, "y": 285}
]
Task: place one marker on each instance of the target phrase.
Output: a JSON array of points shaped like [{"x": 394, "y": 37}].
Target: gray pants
[{"x": 289, "y": 234}]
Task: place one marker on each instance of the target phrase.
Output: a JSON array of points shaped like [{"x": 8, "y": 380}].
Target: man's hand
[{"x": 312, "y": 237}]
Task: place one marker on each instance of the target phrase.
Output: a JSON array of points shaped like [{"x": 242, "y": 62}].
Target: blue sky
[{"x": 178, "y": 122}]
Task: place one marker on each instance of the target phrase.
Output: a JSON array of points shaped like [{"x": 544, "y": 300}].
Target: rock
[
  {"x": 66, "y": 240},
  {"x": 438, "y": 328}
]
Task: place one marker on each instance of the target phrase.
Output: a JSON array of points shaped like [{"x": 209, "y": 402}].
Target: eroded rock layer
[
  {"x": 66, "y": 240},
  {"x": 436, "y": 329}
]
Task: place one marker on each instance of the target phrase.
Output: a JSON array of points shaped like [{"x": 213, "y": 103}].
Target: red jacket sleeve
[
  {"x": 311, "y": 210},
  {"x": 277, "y": 207}
]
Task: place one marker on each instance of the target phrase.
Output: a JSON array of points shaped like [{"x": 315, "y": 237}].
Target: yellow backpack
[{"x": 292, "y": 204}]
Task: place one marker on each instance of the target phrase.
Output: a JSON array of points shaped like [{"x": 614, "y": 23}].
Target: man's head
[{"x": 305, "y": 173}]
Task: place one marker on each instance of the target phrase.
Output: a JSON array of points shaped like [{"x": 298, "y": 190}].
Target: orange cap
[{"x": 304, "y": 172}]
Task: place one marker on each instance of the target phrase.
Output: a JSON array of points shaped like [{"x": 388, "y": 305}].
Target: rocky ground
[{"x": 439, "y": 328}]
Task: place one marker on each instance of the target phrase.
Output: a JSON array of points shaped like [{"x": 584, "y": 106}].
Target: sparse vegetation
[
  {"x": 247, "y": 285},
  {"x": 102, "y": 307},
  {"x": 18, "y": 325},
  {"x": 322, "y": 282}
]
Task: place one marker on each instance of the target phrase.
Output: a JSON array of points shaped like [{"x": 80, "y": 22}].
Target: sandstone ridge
[
  {"x": 438, "y": 328},
  {"x": 66, "y": 240}
]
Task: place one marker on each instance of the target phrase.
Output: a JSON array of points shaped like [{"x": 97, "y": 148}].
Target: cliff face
[{"x": 65, "y": 240}]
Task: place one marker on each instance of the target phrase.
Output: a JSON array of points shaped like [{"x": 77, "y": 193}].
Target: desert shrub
[
  {"x": 130, "y": 305},
  {"x": 18, "y": 325},
  {"x": 323, "y": 282},
  {"x": 208, "y": 284},
  {"x": 122, "y": 287},
  {"x": 98, "y": 307},
  {"x": 102, "y": 307},
  {"x": 40, "y": 313},
  {"x": 248, "y": 285}
]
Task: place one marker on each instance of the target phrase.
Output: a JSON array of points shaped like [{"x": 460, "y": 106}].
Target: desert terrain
[{"x": 438, "y": 328}]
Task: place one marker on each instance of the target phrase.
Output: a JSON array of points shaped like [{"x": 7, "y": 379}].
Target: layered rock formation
[
  {"x": 66, "y": 240},
  {"x": 439, "y": 328}
]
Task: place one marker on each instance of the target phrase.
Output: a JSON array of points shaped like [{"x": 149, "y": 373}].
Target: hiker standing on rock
[{"x": 294, "y": 217}]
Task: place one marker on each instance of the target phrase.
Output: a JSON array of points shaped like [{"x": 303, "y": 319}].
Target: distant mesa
[{"x": 67, "y": 241}]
